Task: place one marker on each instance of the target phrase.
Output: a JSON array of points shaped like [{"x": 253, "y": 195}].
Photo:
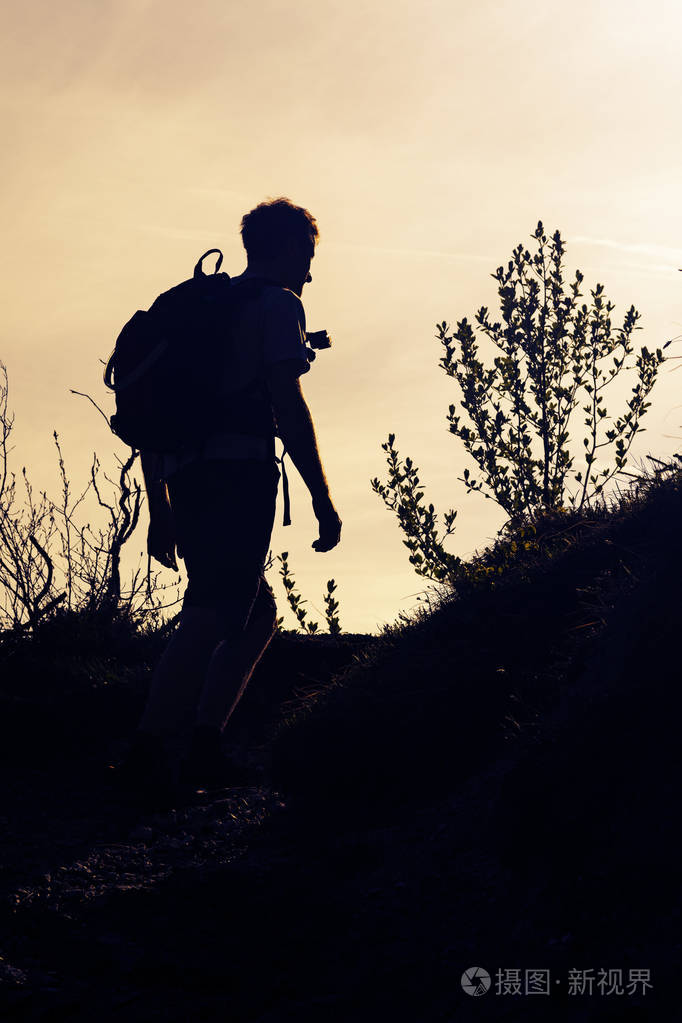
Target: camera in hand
[{"x": 316, "y": 339}]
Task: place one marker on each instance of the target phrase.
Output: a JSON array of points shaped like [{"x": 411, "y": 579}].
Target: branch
[{"x": 81, "y": 395}]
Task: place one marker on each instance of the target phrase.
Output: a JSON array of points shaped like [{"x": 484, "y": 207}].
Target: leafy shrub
[
  {"x": 554, "y": 355},
  {"x": 296, "y": 602}
]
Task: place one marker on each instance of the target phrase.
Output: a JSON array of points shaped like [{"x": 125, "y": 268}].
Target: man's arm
[
  {"x": 161, "y": 533},
  {"x": 295, "y": 427},
  {"x": 157, "y": 491}
]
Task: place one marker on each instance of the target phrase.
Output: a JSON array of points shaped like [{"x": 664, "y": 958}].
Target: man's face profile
[{"x": 296, "y": 266}]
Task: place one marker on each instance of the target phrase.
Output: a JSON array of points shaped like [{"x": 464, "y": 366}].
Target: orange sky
[{"x": 427, "y": 138}]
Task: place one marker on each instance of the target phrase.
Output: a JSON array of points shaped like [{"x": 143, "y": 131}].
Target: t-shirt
[{"x": 267, "y": 329}]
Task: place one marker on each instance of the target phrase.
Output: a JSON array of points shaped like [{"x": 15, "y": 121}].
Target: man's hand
[
  {"x": 329, "y": 523},
  {"x": 161, "y": 537}
]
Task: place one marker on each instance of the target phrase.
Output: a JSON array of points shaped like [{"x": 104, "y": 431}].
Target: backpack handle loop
[{"x": 198, "y": 270}]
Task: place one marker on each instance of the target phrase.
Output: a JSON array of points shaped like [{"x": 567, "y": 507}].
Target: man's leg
[
  {"x": 233, "y": 661},
  {"x": 208, "y": 520},
  {"x": 179, "y": 677}
]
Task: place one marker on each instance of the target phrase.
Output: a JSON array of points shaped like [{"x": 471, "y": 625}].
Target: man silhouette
[{"x": 215, "y": 504}]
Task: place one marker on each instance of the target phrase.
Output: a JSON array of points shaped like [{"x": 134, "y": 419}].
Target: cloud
[
  {"x": 672, "y": 257},
  {"x": 174, "y": 233},
  {"x": 412, "y": 252}
]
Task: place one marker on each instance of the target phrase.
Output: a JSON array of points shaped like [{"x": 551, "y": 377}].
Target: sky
[{"x": 427, "y": 138}]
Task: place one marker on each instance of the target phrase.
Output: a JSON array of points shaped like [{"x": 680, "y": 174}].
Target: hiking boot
[
  {"x": 207, "y": 766},
  {"x": 148, "y": 775}
]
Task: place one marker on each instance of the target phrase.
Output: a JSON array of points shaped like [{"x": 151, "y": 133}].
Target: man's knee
[
  {"x": 205, "y": 619},
  {"x": 261, "y": 618},
  {"x": 264, "y": 610},
  {"x": 229, "y": 619}
]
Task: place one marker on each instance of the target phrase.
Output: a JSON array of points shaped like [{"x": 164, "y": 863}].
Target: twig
[{"x": 82, "y": 395}]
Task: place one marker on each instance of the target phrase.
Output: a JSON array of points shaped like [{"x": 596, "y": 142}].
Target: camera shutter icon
[{"x": 475, "y": 981}]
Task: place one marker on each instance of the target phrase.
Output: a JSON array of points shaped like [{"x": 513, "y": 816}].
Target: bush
[{"x": 555, "y": 354}]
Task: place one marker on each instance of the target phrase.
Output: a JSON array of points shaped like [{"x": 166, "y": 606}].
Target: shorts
[{"x": 224, "y": 511}]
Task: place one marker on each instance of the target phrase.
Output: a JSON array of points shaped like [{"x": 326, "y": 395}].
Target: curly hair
[{"x": 272, "y": 223}]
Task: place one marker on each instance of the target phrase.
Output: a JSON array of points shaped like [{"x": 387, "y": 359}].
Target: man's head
[{"x": 280, "y": 240}]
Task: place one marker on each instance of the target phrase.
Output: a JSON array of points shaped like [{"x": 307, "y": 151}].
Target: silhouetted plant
[
  {"x": 48, "y": 559},
  {"x": 555, "y": 354},
  {"x": 296, "y": 601},
  {"x": 418, "y": 522},
  {"x": 332, "y": 607},
  {"x": 26, "y": 533}
]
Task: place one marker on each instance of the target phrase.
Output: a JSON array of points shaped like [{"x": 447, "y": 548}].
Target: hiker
[{"x": 213, "y": 504}]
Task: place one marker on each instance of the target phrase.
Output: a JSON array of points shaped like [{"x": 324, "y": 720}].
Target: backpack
[{"x": 167, "y": 366}]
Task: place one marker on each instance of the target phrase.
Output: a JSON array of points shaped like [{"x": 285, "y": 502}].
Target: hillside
[{"x": 491, "y": 785}]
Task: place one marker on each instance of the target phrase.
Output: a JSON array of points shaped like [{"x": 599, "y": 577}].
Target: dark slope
[{"x": 495, "y": 785}]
